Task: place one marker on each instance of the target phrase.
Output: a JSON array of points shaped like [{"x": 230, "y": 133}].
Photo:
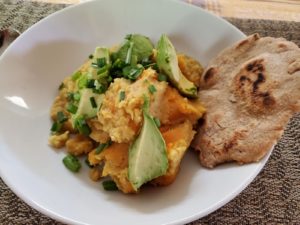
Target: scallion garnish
[
  {"x": 82, "y": 126},
  {"x": 109, "y": 185},
  {"x": 118, "y": 64},
  {"x": 101, "y": 62},
  {"x": 103, "y": 71},
  {"x": 109, "y": 79},
  {"x": 114, "y": 56},
  {"x": 128, "y": 36},
  {"x": 82, "y": 82},
  {"x": 72, "y": 163},
  {"x": 102, "y": 146},
  {"x": 129, "y": 53},
  {"x": 93, "y": 102},
  {"x": 155, "y": 67},
  {"x": 61, "y": 117},
  {"x": 76, "y": 75},
  {"x": 90, "y": 83},
  {"x": 72, "y": 108},
  {"x": 56, "y": 127},
  {"x": 149, "y": 65},
  {"x": 100, "y": 87},
  {"x": 151, "y": 88},
  {"x": 132, "y": 72},
  {"x": 121, "y": 96},
  {"x": 76, "y": 96},
  {"x": 70, "y": 96}
]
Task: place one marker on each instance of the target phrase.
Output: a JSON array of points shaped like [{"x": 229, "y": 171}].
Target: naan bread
[{"x": 250, "y": 91}]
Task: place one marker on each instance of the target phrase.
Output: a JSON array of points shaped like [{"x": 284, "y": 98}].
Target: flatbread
[{"x": 250, "y": 91}]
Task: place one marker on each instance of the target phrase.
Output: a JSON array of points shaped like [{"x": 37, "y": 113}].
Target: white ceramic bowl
[{"x": 31, "y": 70}]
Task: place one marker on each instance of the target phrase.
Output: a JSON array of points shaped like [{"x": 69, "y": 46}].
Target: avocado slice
[
  {"x": 135, "y": 48},
  {"x": 89, "y": 103},
  {"x": 167, "y": 63},
  {"x": 147, "y": 154}
]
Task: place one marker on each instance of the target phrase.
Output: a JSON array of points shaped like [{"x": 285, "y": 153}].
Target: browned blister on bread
[{"x": 250, "y": 91}]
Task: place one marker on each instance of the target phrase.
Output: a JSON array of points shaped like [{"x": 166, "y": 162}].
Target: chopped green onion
[
  {"x": 114, "y": 56},
  {"x": 70, "y": 96},
  {"x": 76, "y": 96},
  {"x": 162, "y": 77},
  {"x": 73, "y": 96},
  {"x": 128, "y": 36},
  {"x": 93, "y": 102},
  {"x": 103, "y": 71},
  {"x": 82, "y": 82},
  {"x": 101, "y": 62},
  {"x": 76, "y": 75},
  {"x": 91, "y": 56},
  {"x": 149, "y": 65},
  {"x": 72, "y": 163},
  {"x": 87, "y": 162},
  {"x": 56, "y": 127},
  {"x": 102, "y": 146},
  {"x": 82, "y": 126},
  {"x": 61, "y": 86},
  {"x": 61, "y": 117},
  {"x": 90, "y": 83},
  {"x": 121, "y": 96},
  {"x": 72, "y": 108},
  {"x": 157, "y": 121},
  {"x": 118, "y": 64},
  {"x": 109, "y": 185},
  {"x": 129, "y": 53},
  {"x": 99, "y": 89},
  {"x": 101, "y": 85},
  {"x": 151, "y": 88},
  {"x": 109, "y": 79},
  {"x": 132, "y": 72},
  {"x": 155, "y": 67}
]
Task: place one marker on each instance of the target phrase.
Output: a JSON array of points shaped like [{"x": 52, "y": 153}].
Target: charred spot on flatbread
[{"x": 251, "y": 88}]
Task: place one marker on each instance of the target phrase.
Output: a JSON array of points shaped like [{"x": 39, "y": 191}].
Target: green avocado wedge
[
  {"x": 167, "y": 63},
  {"x": 147, "y": 154},
  {"x": 135, "y": 48}
]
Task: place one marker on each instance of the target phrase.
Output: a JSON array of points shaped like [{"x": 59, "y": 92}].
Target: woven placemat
[{"x": 272, "y": 198}]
